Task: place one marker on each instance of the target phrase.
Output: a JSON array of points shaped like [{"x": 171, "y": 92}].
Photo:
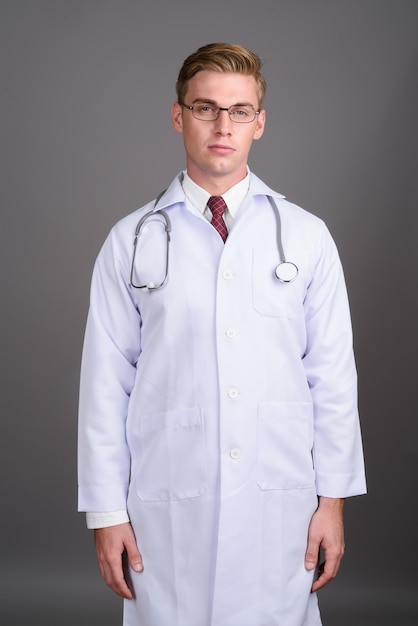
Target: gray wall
[{"x": 86, "y": 89}]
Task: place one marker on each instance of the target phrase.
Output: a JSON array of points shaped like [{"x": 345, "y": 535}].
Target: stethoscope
[{"x": 285, "y": 272}]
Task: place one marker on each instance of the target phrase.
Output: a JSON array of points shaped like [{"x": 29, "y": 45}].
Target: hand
[
  {"x": 111, "y": 543},
  {"x": 326, "y": 530}
]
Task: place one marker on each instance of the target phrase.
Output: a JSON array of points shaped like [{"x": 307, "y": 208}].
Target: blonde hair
[{"x": 221, "y": 57}]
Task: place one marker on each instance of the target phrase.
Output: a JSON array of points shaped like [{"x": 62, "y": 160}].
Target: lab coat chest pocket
[
  {"x": 284, "y": 445},
  {"x": 171, "y": 456},
  {"x": 271, "y": 297}
]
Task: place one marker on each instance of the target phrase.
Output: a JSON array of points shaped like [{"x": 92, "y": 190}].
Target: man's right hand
[{"x": 111, "y": 543}]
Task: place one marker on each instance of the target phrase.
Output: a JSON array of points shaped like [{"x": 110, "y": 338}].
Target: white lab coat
[{"x": 218, "y": 408}]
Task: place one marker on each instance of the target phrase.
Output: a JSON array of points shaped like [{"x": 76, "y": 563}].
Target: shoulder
[
  {"x": 288, "y": 210},
  {"x": 127, "y": 226},
  {"x": 299, "y": 215}
]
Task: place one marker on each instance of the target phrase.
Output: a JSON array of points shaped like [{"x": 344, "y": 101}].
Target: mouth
[{"x": 221, "y": 149}]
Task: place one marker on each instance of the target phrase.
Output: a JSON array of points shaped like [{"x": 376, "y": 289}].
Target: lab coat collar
[
  {"x": 175, "y": 194},
  {"x": 258, "y": 188}
]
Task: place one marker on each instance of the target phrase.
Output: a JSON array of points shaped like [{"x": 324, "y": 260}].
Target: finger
[
  {"x": 322, "y": 578},
  {"x": 327, "y": 571},
  {"x": 111, "y": 569},
  {"x": 115, "y": 579}
]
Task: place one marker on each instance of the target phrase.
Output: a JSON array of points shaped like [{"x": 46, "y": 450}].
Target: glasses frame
[{"x": 218, "y": 112}]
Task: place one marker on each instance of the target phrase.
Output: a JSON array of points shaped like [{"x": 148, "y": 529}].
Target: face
[{"x": 217, "y": 151}]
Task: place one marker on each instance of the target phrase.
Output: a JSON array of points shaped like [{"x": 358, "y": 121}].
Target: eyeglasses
[{"x": 209, "y": 112}]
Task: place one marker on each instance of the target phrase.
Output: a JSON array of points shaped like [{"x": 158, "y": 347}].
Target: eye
[
  {"x": 242, "y": 112},
  {"x": 204, "y": 108}
]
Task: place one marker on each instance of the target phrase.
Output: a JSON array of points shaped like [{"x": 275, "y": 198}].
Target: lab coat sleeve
[
  {"x": 111, "y": 349},
  {"x": 331, "y": 373}
]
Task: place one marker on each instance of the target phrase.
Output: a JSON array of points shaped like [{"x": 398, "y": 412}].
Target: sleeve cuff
[{"x": 106, "y": 518}]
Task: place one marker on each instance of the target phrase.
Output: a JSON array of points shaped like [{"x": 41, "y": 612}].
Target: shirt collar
[{"x": 199, "y": 197}]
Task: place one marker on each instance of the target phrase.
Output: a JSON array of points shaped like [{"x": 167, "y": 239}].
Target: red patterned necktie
[{"x": 218, "y": 207}]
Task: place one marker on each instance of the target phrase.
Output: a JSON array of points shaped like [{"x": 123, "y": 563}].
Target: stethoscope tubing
[
  {"x": 167, "y": 227},
  {"x": 285, "y": 272}
]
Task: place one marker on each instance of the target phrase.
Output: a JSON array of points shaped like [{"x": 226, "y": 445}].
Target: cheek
[
  {"x": 192, "y": 139},
  {"x": 249, "y": 138},
  {"x": 188, "y": 139}
]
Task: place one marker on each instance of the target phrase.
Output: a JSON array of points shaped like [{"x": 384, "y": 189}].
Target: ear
[
  {"x": 261, "y": 122},
  {"x": 177, "y": 117}
]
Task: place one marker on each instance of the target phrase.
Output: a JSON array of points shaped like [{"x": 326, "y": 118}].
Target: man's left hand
[{"x": 326, "y": 531}]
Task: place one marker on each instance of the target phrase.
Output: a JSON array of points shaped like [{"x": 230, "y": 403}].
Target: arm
[
  {"x": 112, "y": 543},
  {"x": 111, "y": 348},
  {"x": 326, "y": 530},
  {"x": 108, "y": 370},
  {"x": 331, "y": 372}
]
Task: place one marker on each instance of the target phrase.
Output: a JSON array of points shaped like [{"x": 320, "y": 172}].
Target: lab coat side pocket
[
  {"x": 171, "y": 461},
  {"x": 284, "y": 445}
]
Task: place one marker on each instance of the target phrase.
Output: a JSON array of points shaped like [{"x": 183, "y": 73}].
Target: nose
[{"x": 223, "y": 123}]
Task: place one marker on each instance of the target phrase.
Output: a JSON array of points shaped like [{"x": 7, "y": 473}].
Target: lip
[{"x": 221, "y": 149}]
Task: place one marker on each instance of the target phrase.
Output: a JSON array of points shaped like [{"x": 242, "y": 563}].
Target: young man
[{"x": 219, "y": 432}]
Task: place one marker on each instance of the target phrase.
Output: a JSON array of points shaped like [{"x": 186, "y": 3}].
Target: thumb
[
  {"x": 134, "y": 556},
  {"x": 311, "y": 555}
]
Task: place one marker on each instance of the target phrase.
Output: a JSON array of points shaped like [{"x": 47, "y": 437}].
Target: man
[{"x": 219, "y": 432}]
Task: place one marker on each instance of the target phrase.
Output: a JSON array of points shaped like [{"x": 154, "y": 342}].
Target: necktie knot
[{"x": 218, "y": 207}]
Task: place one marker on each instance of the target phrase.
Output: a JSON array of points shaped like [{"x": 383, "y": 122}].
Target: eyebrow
[{"x": 209, "y": 101}]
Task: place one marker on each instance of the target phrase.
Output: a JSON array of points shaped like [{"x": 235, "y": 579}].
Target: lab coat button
[
  {"x": 227, "y": 274},
  {"x": 233, "y": 393},
  {"x": 235, "y": 453},
  {"x": 231, "y": 333}
]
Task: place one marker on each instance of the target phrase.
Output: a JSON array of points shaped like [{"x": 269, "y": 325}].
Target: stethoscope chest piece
[{"x": 286, "y": 272}]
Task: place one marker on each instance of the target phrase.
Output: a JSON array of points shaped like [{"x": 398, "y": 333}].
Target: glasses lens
[
  {"x": 242, "y": 114},
  {"x": 205, "y": 111}
]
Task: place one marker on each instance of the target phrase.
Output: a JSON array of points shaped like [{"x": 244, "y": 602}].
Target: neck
[{"x": 216, "y": 185}]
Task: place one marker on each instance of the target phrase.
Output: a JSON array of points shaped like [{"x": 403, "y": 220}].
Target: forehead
[{"x": 224, "y": 88}]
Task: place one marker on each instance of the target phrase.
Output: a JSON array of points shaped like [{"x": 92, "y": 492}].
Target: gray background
[{"x": 86, "y": 90}]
